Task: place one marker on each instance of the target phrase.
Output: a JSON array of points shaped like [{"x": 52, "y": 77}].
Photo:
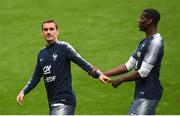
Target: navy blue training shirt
[
  {"x": 54, "y": 64},
  {"x": 151, "y": 51}
]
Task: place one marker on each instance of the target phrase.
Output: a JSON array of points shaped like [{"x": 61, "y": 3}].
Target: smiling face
[{"x": 50, "y": 32}]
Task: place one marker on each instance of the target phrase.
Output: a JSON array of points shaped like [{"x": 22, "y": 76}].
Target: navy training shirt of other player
[{"x": 151, "y": 51}]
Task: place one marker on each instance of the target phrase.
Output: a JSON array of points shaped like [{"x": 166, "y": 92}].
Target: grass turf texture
[{"x": 104, "y": 32}]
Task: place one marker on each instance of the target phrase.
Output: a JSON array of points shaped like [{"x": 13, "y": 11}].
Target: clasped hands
[
  {"x": 114, "y": 82},
  {"x": 104, "y": 79}
]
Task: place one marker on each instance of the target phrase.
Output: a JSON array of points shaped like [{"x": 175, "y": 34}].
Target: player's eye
[
  {"x": 51, "y": 29},
  {"x": 45, "y": 29}
]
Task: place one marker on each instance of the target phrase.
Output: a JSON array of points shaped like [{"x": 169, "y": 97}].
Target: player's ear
[
  {"x": 149, "y": 21},
  {"x": 42, "y": 31},
  {"x": 58, "y": 32}
]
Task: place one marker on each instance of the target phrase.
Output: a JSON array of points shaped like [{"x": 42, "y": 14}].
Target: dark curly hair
[{"x": 152, "y": 14}]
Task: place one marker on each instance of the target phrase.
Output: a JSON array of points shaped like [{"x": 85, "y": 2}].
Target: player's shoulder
[
  {"x": 42, "y": 51},
  {"x": 64, "y": 44},
  {"x": 157, "y": 39}
]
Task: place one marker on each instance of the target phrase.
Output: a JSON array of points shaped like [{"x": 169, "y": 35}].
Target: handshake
[
  {"x": 114, "y": 82},
  {"x": 105, "y": 79}
]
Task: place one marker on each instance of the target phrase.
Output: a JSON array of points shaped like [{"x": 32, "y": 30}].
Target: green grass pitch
[{"x": 104, "y": 32}]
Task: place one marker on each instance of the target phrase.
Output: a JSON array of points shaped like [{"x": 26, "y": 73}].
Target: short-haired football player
[
  {"x": 54, "y": 65},
  {"x": 146, "y": 60}
]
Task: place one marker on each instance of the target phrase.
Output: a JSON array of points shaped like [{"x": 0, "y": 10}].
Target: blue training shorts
[
  {"x": 61, "y": 109},
  {"x": 143, "y": 106}
]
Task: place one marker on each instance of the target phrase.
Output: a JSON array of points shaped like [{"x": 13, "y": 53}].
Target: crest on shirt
[
  {"x": 142, "y": 46},
  {"x": 138, "y": 54},
  {"x": 55, "y": 56},
  {"x": 47, "y": 69}
]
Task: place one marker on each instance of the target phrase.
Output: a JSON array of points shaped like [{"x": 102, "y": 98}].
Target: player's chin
[
  {"x": 142, "y": 29},
  {"x": 49, "y": 39}
]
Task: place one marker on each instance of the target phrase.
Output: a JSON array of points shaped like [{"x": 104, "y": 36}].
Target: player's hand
[
  {"x": 104, "y": 79},
  {"x": 116, "y": 82},
  {"x": 20, "y": 98}
]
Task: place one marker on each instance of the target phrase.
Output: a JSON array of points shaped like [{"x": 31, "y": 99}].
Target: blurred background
[{"x": 104, "y": 32}]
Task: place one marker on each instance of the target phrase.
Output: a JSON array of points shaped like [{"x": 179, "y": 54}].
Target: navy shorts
[
  {"x": 143, "y": 106},
  {"x": 61, "y": 109}
]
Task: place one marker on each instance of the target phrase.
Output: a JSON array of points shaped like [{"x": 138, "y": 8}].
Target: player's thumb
[
  {"x": 21, "y": 98},
  {"x": 102, "y": 80}
]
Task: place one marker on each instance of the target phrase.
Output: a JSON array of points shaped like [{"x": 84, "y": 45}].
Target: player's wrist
[
  {"x": 95, "y": 73},
  {"x": 22, "y": 92}
]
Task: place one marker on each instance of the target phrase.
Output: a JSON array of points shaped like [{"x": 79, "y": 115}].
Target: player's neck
[
  {"x": 51, "y": 42},
  {"x": 150, "y": 32}
]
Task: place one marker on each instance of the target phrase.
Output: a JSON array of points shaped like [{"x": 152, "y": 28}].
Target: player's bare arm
[
  {"x": 116, "y": 71},
  {"x": 129, "y": 65},
  {"x": 134, "y": 76}
]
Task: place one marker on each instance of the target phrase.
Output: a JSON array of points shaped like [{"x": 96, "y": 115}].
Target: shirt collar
[{"x": 52, "y": 45}]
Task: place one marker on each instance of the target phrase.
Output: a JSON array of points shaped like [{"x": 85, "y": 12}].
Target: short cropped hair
[
  {"x": 152, "y": 14},
  {"x": 50, "y": 21}
]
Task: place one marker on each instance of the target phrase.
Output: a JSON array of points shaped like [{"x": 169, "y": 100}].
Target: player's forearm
[
  {"x": 132, "y": 77},
  {"x": 116, "y": 71},
  {"x": 116, "y": 82},
  {"x": 30, "y": 85}
]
